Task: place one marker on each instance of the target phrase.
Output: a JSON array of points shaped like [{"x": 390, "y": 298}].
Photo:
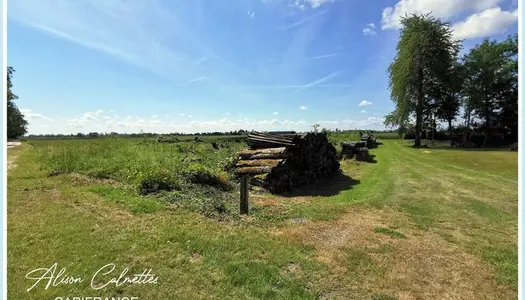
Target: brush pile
[{"x": 283, "y": 161}]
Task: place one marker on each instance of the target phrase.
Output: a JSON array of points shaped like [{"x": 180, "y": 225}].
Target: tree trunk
[
  {"x": 467, "y": 126},
  {"x": 488, "y": 130},
  {"x": 487, "y": 122},
  {"x": 419, "y": 110},
  {"x": 433, "y": 128},
  {"x": 450, "y": 131}
]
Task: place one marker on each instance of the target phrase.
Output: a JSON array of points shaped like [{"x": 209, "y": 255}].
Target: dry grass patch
[
  {"x": 422, "y": 265},
  {"x": 428, "y": 267},
  {"x": 355, "y": 228}
]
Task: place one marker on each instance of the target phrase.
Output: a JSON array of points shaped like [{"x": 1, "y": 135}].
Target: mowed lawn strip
[{"x": 418, "y": 223}]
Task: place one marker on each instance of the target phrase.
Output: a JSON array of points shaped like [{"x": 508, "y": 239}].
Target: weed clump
[
  {"x": 199, "y": 174},
  {"x": 159, "y": 181},
  {"x": 390, "y": 232}
]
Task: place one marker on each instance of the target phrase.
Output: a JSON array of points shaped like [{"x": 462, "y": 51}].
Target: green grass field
[{"x": 418, "y": 224}]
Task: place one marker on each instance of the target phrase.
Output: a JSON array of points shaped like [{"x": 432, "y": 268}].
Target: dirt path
[
  {"x": 12, "y": 155},
  {"x": 13, "y": 144}
]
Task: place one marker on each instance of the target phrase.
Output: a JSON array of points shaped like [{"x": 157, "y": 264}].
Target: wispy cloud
[
  {"x": 286, "y": 87},
  {"x": 370, "y": 29},
  {"x": 251, "y": 14},
  {"x": 325, "y": 56},
  {"x": 202, "y": 78},
  {"x": 275, "y": 113},
  {"x": 203, "y": 59},
  {"x": 138, "y": 32},
  {"x": 304, "y": 20},
  {"x": 365, "y": 103},
  {"x": 303, "y": 4},
  {"x": 316, "y": 82},
  {"x": 31, "y": 115},
  {"x": 166, "y": 40},
  {"x": 302, "y": 108}
]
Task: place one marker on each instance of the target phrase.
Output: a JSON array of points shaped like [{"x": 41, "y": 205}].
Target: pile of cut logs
[
  {"x": 370, "y": 141},
  {"x": 359, "y": 149},
  {"x": 283, "y": 161}
]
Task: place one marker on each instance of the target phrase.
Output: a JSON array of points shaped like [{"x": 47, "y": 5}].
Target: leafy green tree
[
  {"x": 16, "y": 123},
  {"x": 491, "y": 83},
  {"x": 425, "y": 52},
  {"x": 448, "y": 96}
]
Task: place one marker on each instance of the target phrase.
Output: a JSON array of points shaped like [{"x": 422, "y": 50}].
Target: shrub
[
  {"x": 230, "y": 163},
  {"x": 514, "y": 147},
  {"x": 100, "y": 174},
  {"x": 159, "y": 181},
  {"x": 199, "y": 174}
]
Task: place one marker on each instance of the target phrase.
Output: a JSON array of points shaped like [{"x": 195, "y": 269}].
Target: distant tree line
[
  {"x": 154, "y": 135},
  {"x": 430, "y": 83},
  {"x": 132, "y": 135}
]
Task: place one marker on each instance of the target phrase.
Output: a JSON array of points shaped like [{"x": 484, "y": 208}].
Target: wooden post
[{"x": 245, "y": 182}]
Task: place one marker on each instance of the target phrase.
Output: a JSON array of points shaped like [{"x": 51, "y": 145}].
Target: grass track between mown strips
[{"x": 459, "y": 205}]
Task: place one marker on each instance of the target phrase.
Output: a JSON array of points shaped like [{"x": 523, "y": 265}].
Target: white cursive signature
[
  {"x": 52, "y": 279},
  {"x": 144, "y": 278},
  {"x": 101, "y": 279}
]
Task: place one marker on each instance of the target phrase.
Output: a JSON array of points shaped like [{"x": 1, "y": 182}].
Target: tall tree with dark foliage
[{"x": 16, "y": 123}]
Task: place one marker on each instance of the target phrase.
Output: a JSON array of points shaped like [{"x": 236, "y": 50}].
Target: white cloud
[
  {"x": 302, "y": 108},
  {"x": 228, "y": 114},
  {"x": 155, "y": 116},
  {"x": 365, "y": 103},
  {"x": 91, "y": 115},
  {"x": 369, "y": 31},
  {"x": 391, "y": 16},
  {"x": 30, "y": 115},
  {"x": 363, "y": 111},
  {"x": 275, "y": 113},
  {"x": 158, "y": 125},
  {"x": 488, "y": 22},
  {"x": 182, "y": 115},
  {"x": 251, "y": 14}
]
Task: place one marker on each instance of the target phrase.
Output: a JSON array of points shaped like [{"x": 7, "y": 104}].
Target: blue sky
[{"x": 218, "y": 65}]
